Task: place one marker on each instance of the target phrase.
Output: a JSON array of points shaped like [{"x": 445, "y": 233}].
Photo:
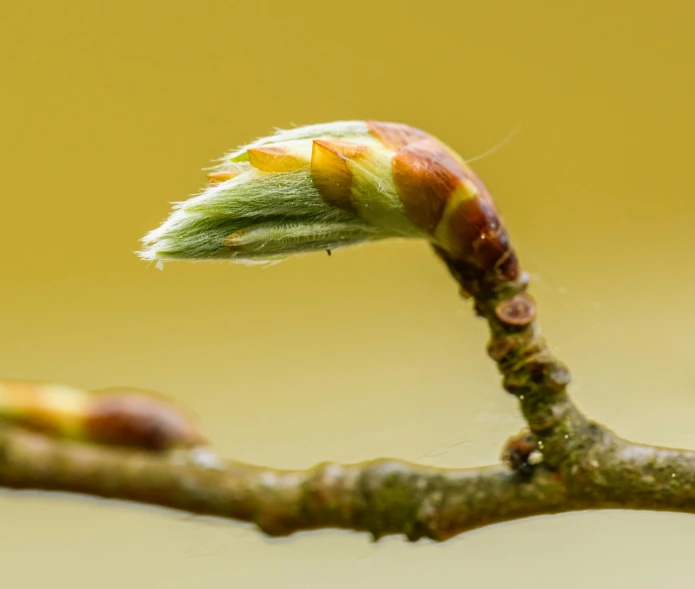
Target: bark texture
[{"x": 563, "y": 462}]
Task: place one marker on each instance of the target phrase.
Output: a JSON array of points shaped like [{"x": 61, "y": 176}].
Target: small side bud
[
  {"x": 119, "y": 417},
  {"x": 138, "y": 419},
  {"x": 521, "y": 453}
]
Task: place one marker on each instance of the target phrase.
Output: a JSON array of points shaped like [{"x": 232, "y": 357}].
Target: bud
[
  {"x": 327, "y": 186},
  {"x": 119, "y": 417}
]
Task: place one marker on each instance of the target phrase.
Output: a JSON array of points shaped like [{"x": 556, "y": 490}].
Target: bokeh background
[{"x": 110, "y": 110}]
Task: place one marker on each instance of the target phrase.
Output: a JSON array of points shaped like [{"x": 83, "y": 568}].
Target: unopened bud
[
  {"x": 327, "y": 186},
  {"x": 120, "y": 416}
]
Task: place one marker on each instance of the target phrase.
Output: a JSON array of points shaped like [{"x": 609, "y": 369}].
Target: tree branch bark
[
  {"x": 565, "y": 462},
  {"x": 382, "y": 497}
]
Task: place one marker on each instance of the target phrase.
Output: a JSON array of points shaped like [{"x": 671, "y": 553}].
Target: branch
[
  {"x": 381, "y": 497},
  {"x": 564, "y": 463},
  {"x": 317, "y": 188}
]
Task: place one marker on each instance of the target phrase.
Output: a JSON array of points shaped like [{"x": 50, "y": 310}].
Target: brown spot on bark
[
  {"x": 499, "y": 348},
  {"x": 426, "y": 175},
  {"x": 519, "y": 450},
  {"x": 274, "y": 159},
  {"x": 395, "y": 135},
  {"x": 330, "y": 172},
  {"x": 519, "y": 311},
  {"x": 139, "y": 419},
  {"x": 222, "y": 176}
]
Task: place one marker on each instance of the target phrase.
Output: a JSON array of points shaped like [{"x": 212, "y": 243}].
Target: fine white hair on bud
[
  {"x": 262, "y": 205},
  {"x": 331, "y": 185}
]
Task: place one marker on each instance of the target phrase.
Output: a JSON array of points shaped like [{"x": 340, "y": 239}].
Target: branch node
[
  {"x": 516, "y": 312},
  {"x": 521, "y": 454}
]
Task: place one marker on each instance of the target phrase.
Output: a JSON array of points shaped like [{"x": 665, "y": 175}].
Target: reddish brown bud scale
[
  {"x": 138, "y": 419},
  {"x": 396, "y": 135},
  {"x": 426, "y": 176},
  {"x": 330, "y": 172},
  {"x": 442, "y": 196},
  {"x": 476, "y": 234}
]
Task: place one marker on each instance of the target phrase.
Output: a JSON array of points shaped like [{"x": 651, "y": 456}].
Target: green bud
[{"x": 327, "y": 186}]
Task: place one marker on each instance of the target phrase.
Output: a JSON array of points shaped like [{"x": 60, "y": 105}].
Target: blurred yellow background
[{"x": 109, "y": 112}]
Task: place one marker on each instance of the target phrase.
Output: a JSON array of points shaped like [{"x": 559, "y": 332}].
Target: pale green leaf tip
[{"x": 260, "y": 217}]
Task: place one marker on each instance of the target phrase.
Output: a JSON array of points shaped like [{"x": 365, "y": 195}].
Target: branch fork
[{"x": 350, "y": 182}]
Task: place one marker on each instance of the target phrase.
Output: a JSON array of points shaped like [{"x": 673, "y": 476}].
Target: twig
[
  {"x": 363, "y": 181},
  {"x": 567, "y": 463}
]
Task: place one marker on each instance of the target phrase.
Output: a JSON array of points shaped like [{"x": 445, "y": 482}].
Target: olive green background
[{"x": 109, "y": 111}]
